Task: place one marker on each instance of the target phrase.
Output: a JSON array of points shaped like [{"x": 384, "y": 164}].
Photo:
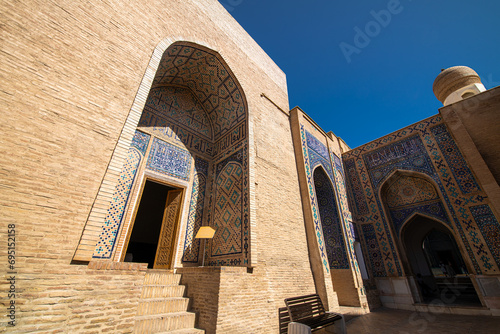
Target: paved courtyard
[{"x": 389, "y": 321}]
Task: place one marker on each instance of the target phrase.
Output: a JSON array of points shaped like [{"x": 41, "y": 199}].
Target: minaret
[{"x": 457, "y": 83}]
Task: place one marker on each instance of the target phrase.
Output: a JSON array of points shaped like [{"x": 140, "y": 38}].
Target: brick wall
[
  {"x": 77, "y": 299},
  {"x": 70, "y": 73}
]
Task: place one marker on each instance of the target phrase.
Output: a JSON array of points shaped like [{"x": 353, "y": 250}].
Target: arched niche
[
  {"x": 405, "y": 194},
  {"x": 413, "y": 234},
  {"x": 334, "y": 237},
  {"x": 330, "y": 221},
  {"x": 191, "y": 127},
  {"x": 436, "y": 263},
  {"x": 416, "y": 213}
]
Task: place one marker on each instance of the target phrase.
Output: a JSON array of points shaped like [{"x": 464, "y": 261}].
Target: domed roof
[{"x": 452, "y": 79}]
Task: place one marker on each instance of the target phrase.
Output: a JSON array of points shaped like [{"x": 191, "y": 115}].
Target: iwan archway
[
  {"x": 191, "y": 139},
  {"x": 426, "y": 241},
  {"x": 334, "y": 238}
]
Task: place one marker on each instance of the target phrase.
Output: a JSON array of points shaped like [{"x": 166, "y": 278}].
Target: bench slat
[
  {"x": 321, "y": 320},
  {"x": 304, "y": 307},
  {"x": 309, "y": 310},
  {"x": 284, "y": 319}
]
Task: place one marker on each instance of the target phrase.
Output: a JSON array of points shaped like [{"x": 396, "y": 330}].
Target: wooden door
[{"x": 166, "y": 242}]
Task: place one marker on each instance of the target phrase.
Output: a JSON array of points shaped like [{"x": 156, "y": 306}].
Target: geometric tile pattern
[
  {"x": 195, "y": 107},
  {"x": 438, "y": 139},
  {"x": 455, "y": 160},
  {"x": 196, "y": 102},
  {"x": 434, "y": 209},
  {"x": 181, "y": 107},
  {"x": 406, "y": 154},
  {"x": 169, "y": 159},
  {"x": 489, "y": 227},
  {"x": 355, "y": 189},
  {"x": 408, "y": 195},
  {"x": 344, "y": 208},
  {"x": 330, "y": 221},
  {"x": 114, "y": 216},
  {"x": 140, "y": 141},
  {"x": 195, "y": 216},
  {"x": 376, "y": 261},
  {"x": 428, "y": 148},
  {"x": 318, "y": 155},
  {"x": 175, "y": 115},
  {"x": 312, "y": 196},
  {"x": 407, "y": 190},
  {"x": 314, "y": 144},
  {"x": 228, "y": 210},
  {"x": 207, "y": 76}
]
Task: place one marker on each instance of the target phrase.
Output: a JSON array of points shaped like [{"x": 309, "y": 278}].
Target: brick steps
[
  {"x": 162, "y": 291},
  {"x": 185, "y": 331},
  {"x": 163, "y": 307},
  {"x": 164, "y": 322}
]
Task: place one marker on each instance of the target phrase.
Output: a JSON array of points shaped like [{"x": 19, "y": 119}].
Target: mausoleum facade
[{"x": 128, "y": 126}]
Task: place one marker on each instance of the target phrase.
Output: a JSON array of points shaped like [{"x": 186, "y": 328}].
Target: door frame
[{"x": 136, "y": 197}]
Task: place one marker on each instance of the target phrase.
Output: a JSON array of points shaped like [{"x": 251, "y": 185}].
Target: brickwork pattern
[
  {"x": 76, "y": 80},
  {"x": 60, "y": 300}
]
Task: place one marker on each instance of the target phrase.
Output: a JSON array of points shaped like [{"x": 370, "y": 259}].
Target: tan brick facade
[
  {"x": 73, "y": 74},
  {"x": 74, "y": 82}
]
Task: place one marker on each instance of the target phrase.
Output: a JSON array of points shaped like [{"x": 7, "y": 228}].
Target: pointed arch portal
[
  {"x": 426, "y": 239},
  {"x": 435, "y": 261},
  {"x": 187, "y": 134}
]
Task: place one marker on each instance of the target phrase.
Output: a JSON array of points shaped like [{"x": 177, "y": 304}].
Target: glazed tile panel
[
  {"x": 376, "y": 261},
  {"x": 330, "y": 222},
  {"x": 312, "y": 196},
  {"x": 428, "y": 148},
  {"x": 489, "y": 227},
  {"x": 230, "y": 211},
  {"x": 195, "y": 216},
  {"x": 168, "y": 159},
  {"x": 212, "y": 83},
  {"x": 114, "y": 216}
]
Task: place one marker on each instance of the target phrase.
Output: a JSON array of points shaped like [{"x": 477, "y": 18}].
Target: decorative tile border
[
  {"x": 428, "y": 148},
  {"x": 331, "y": 221},
  {"x": 375, "y": 256},
  {"x": 114, "y": 217},
  {"x": 195, "y": 216},
  {"x": 168, "y": 159},
  {"x": 314, "y": 204},
  {"x": 490, "y": 229}
]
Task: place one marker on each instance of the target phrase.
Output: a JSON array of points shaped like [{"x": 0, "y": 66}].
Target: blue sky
[{"x": 363, "y": 69}]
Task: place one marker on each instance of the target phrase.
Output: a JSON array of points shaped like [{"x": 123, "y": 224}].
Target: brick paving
[{"x": 388, "y": 321}]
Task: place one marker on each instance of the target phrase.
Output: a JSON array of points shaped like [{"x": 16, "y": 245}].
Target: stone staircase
[{"x": 163, "y": 307}]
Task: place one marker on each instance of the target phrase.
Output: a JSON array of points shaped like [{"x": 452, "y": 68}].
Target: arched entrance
[
  {"x": 191, "y": 138},
  {"x": 426, "y": 240},
  {"x": 436, "y": 263},
  {"x": 155, "y": 227},
  {"x": 335, "y": 244}
]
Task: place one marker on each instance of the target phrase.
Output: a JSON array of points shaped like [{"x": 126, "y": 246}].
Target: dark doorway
[
  {"x": 437, "y": 264},
  {"x": 147, "y": 226}
]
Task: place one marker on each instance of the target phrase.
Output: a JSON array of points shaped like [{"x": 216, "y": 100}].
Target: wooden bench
[
  {"x": 284, "y": 318},
  {"x": 307, "y": 315}
]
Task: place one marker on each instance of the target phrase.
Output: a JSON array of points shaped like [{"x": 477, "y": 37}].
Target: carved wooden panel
[{"x": 166, "y": 246}]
